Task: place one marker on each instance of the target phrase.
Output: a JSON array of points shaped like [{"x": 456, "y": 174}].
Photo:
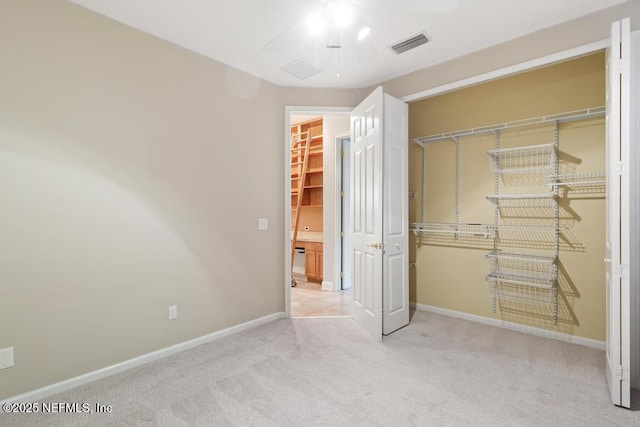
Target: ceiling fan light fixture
[
  {"x": 315, "y": 23},
  {"x": 342, "y": 15},
  {"x": 364, "y": 33}
]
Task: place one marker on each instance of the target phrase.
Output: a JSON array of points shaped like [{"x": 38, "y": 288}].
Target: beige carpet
[{"x": 437, "y": 371}]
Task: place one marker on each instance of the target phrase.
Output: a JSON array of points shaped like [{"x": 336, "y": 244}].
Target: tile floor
[{"x": 308, "y": 299}]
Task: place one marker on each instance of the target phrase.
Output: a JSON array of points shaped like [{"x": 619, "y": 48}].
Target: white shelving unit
[
  {"x": 519, "y": 277},
  {"x": 531, "y": 222}
]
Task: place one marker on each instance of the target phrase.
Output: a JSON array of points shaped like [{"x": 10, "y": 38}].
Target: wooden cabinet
[{"x": 313, "y": 261}]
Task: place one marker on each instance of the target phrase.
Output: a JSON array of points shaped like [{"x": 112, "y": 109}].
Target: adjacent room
[{"x": 319, "y": 212}]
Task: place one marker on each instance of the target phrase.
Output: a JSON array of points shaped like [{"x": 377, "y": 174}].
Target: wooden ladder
[{"x": 299, "y": 161}]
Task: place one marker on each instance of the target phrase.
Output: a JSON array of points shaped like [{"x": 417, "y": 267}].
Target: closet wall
[{"x": 451, "y": 276}]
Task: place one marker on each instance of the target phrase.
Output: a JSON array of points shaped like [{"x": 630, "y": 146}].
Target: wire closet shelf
[
  {"x": 536, "y": 159},
  {"x": 535, "y": 222}
]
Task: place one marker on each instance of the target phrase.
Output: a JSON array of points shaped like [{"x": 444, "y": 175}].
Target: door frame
[
  {"x": 342, "y": 211},
  {"x": 288, "y": 112},
  {"x": 635, "y": 210}
]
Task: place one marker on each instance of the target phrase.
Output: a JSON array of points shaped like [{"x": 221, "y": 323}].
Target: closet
[
  {"x": 537, "y": 224},
  {"x": 509, "y": 216}
]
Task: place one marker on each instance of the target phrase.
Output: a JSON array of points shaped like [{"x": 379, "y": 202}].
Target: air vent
[
  {"x": 302, "y": 69},
  {"x": 410, "y": 43}
]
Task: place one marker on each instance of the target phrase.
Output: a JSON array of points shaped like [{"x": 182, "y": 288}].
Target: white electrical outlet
[
  {"x": 6, "y": 357},
  {"x": 173, "y": 312},
  {"x": 263, "y": 224}
]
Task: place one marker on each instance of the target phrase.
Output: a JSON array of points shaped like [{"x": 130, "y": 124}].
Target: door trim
[
  {"x": 341, "y": 142},
  {"x": 340, "y": 206},
  {"x": 508, "y": 71},
  {"x": 288, "y": 111}
]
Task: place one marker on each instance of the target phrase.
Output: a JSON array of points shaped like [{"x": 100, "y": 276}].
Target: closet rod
[{"x": 517, "y": 124}]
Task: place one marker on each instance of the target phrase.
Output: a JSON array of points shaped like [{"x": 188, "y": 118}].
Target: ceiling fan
[{"x": 334, "y": 23}]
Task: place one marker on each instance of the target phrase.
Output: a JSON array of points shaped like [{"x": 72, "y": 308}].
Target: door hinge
[
  {"x": 341, "y": 153},
  {"x": 342, "y": 274},
  {"x": 342, "y": 234},
  {"x": 619, "y": 168},
  {"x": 618, "y": 64},
  {"x": 341, "y": 193},
  {"x": 621, "y": 271},
  {"x": 623, "y": 373}
]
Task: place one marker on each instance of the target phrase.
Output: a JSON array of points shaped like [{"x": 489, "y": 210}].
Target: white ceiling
[{"x": 260, "y": 37}]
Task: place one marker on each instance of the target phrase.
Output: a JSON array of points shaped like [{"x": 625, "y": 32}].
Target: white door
[
  {"x": 617, "y": 214},
  {"x": 370, "y": 205},
  {"x": 395, "y": 256}
]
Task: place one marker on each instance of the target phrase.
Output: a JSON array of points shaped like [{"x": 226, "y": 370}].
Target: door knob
[{"x": 376, "y": 245}]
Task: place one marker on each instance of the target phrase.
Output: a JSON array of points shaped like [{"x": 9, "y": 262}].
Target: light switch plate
[
  {"x": 263, "y": 223},
  {"x": 6, "y": 357},
  {"x": 173, "y": 312}
]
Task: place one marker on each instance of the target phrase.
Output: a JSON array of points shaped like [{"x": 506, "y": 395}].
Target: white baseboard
[
  {"x": 89, "y": 377},
  {"x": 513, "y": 326},
  {"x": 327, "y": 286}
]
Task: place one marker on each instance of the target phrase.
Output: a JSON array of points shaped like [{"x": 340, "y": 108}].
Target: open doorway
[{"x": 313, "y": 209}]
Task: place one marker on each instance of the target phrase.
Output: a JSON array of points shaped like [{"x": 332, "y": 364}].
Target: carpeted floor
[{"x": 436, "y": 371}]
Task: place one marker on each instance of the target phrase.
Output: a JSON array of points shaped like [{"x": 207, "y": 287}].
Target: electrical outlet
[
  {"x": 6, "y": 357},
  {"x": 263, "y": 224},
  {"x": 173, "y": 312}
]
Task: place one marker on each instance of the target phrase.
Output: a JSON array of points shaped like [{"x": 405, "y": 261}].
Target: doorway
[{"x": 317, "y": 258}]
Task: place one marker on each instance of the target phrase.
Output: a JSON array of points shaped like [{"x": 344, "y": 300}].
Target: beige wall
[
  {"x": 452, "y": 277},
  {"x": 130, "y": 182}
]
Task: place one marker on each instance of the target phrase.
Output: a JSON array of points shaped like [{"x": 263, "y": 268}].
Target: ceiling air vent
[
  {"x": 410, "y": 43},
  {"x": 302, "y": 69}
]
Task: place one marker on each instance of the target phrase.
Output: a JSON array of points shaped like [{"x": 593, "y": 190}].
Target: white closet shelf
[
  {"x": 485, "y": 230},
  {"x": 578, "y": 180},
  {"x": 522, "y": 257},
  {"x": 529, "y": 228},
  {"x": 523, "y": 160},
  {"x": 521, "y": 295},
  {"x": 497, "y": 198},
  {"x": 522, "y": 269},
  {"x": 443, "y": 228},
  {"x": 569, "y": 116},
  {"x": 520, "y": 280}
]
